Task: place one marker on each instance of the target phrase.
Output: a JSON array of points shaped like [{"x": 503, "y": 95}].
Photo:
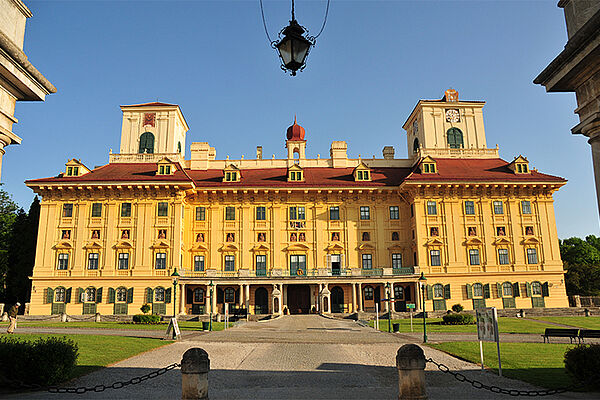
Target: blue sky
[{"x": 371, "y": 65}]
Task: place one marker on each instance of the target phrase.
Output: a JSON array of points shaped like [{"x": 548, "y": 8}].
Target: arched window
[
  {"x": 198, "y": 295},
  {"x": 416, "y": 145},
  {"x": 368, "y": 293},
  {"x": 121, "y": 294},
  {"x": 229, "y": 295},
  {"x": 477, "y": 290},
  {"x": 438, "y": 291},
  {"x": 455, "y": 138},
  {"x": 146, "y": 143},
  {"x": 507, "y": 289},
  {"x": 159, "y": 294}
]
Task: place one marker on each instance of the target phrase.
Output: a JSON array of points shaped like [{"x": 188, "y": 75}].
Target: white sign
[
  {"x": 487, "y": 324},
  {"x": 173, "y": 326}
]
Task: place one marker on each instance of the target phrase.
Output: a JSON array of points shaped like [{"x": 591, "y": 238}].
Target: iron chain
[
  {"x": 511, "y": 392},
  {"x": 17, "y": 384}
]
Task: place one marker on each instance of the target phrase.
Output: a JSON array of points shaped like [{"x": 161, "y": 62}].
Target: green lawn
[
  {"x": 97, "y": 351},
  {"x": 538, "y": 363},
  {"x": 580, "y": 322},
  {"x": 505, "y": 325},
  {"x": 183, "y": 325}
]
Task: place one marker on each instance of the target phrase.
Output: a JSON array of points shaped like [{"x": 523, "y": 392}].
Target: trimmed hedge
[
  {"x": 583, "y": 363},
  {"x": 458, "y": 319},
  {"x": 146, "y": 319},
  {"x": 45, "y": 361},
  {"x": 457, "y": 308}
]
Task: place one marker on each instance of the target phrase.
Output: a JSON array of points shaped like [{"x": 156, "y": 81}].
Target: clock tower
[{"x": 447, "y": 127}]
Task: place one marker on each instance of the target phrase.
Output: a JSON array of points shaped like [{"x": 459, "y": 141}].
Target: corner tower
[
  {"x": 153, "y": 128},
  {"x": 447, "y": 127}
]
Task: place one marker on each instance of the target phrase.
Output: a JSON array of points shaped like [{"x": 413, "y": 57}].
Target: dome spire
[{"x": 295, "y": 132}]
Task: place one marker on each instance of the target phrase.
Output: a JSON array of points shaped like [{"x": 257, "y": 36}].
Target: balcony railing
[
  {"x": 403, "y": 271},
  {"x": 287, "y": 273},
  {"x": 372, "y": 272}
]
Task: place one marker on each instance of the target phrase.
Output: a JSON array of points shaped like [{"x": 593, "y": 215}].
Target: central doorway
[
  {"x": 261, "y": 301},
  {"x": 298, "y": 299}
]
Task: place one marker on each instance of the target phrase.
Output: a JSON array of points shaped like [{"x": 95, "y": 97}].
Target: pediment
[
  {"x": 295, "y": 167},
  {"x": 501, "y": 240},
  {"x": 396, "y": 247},
  {"x": 63, "y": 244},
  {"x": 160, "y": 244},
  {"x": 199, "y": 247},
  {"x": 530, "y": 240},
  {"x": 231, "y": 167},
  {"x": 427, "y": 159},
  {"x": 361, "y": 167},
  {"x": 229, "y": 247},
  {"x": 366, "y": 246},
  {"x": 297, "y": 247},
  {"x": 93, "y": 245},
  {"x": 473, "y": 240},
  {"x": 123, "y": 244},
  {"x": 434, "y": 242},
  {"x": 260, "y": 247},
  {"x": 334, "y": 247}
]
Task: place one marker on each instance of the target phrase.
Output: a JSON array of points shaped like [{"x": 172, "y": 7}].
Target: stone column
[
  {"x": 354, "y": 297},
  {"x": 241, "y": 300},
  {"x": 360, "y": 303},
  {"x": 386, "y": 305},
  {"x": 248, "y": 298},
  {"x": 410, "y": 361},
  {"x": 595, "y": 144},
  {"x": 214, "y": 301},
  {"x": 182, "y": 299},
  {"x": 195, "y": 365}
]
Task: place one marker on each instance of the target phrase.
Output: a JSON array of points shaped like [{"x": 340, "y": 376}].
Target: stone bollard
[
  {"x": 63, "y": 317},
  {"x": 27, "y": 306},
  {"x": 97, "y": 317},
  {"x": 4, "y": 317},
  {"x": 195, "y": 365},
  {"x": 410, "y": 361},
  {"x": 587, "y": 312}
]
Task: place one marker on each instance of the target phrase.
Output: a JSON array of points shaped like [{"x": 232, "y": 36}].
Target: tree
[
  {"x": 21, "y": 254},
  {"x": 8, "y": 214},
  {"x": 581, "y": 260}
]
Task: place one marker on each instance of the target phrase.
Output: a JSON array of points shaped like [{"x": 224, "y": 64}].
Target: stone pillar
[
  {"x": 214, "y": 301},
  {"x": 63, "y": 317},
  {"x": 97, "y": 317},
  {"x": 386, "y": 305},
  {"x": 248, "y": 298},
  {"x": 241, "y": 295},
  {"x": 595, "y": 143},
  {"x": 182, "y": 299},
  {"x": 577, "y": 300},
  {"x": 360, "y": 303},
  {"x": 410, "y": 361},
  {"x": 354, "y": 297},
  {"x": 195, "y": 365}
]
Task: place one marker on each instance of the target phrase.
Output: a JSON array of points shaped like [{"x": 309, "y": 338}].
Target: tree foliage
[
  {"x": 581, "y": 259},
  {"x": 8, "y": 214}
]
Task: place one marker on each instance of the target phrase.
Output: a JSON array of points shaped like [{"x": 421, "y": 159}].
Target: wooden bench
[
  {"x": 555, "y": 332},
  {"x": 588, "y": 333}
]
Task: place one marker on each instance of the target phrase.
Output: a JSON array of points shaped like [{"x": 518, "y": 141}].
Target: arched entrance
[
  {"x": 337, "y": 299},
  {"x": 261, "y": 301},
  {"x": 298, "y": 299}
]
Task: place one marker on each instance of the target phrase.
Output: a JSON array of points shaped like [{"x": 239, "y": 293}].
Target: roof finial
[{"x": 295, "y": 120}]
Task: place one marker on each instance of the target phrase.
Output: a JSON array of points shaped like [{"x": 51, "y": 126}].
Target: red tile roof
[
  {"x": 449, "y": 170},
  {"x": 152, "y": 104}
]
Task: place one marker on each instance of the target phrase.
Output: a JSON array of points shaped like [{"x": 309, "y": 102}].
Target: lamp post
[
  {"x": 294, "y": 46},
  {"x": 388, "y": 293},
  {"x": 174, "y": 275},
  {"x": 422, "y": 283},
  {"x": 210, "y": 285}
]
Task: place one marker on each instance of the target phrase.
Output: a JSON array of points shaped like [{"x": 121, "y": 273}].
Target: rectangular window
[
  {"x": 532, "y": 256},
  {"x": 67, "y": 210},
  {"x": 394, "y": 212},
  {"x": 261, "y": 265},
  {"x": 229, "y": 263},
  {"x": 200, "y": 213},
  {"x": 261, "y": 213},
  {"x": 125, "y": 210},
  {"x": 431, "y": 208},
  {"x": 96, "y": 210},
  {"x": 297, "y": 263},
  {"x": 161, "y": 261},
  {"x": 367, "y": 261},
  {"x": 434, "y": 257},
  {"x": 474, "y": 257},
  {"x": 163, "y": 209},
  {"x": 123, "y": 262},
  {"x": 498, "y": 207},
  {"x": 526, "y": 207},
  {"x": 469, "y": 208},
  {"x": 365, "y": 212},
  {"x": 198, "y": 263},
  {"x": 297, "y": 213},
  {"x": 396, "y": 260},
  {"x": 503, "y": 257},
  {"x": 230, "y": 213},
  {"x": 334, "y": 213},
  {"x": 63, "y": 261},
  {"x": 93, "y": 261}
]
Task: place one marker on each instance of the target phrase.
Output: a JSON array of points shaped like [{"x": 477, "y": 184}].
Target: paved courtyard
[{"x": 293, "y": 357}]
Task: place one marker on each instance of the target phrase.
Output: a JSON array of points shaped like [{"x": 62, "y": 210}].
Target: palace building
[{"x": 295, "y": 234}]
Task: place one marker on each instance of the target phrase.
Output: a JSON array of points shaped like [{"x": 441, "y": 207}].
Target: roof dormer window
[
  {"x": 231, "y": 174},
  {"x": 362, "y": 173},
  {"x": 295, "y": 173},
  {"x": 520, "y": 165},
  {"x": 428, "y": 166},
  {"x": 72, "y": 171},
  {"x": 165, "y": 167},
  {"x": 75, "y": 168}
]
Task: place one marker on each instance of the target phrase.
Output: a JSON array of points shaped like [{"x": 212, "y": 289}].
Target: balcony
[
  {"x": 293, "y": 274},
  {"x": 143, "y": 157},
  {"x": 403, "y": 271}
]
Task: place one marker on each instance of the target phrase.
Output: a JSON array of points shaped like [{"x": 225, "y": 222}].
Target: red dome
[{"x": 295, "y": 132}]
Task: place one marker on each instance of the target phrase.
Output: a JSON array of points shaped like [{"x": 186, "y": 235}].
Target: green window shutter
[
  {"x": 516, "y": 291},
  {"x": 49, "y": 295},
  {"x": 168, "y": 295},
  {"x": 469, "y": 291},
  {"x": 149, "y": 293},
  {"x": 429, "y": 292},
  {"x": 528, "y": 289},
  {"x": 111, "y": 295},
  {"x": 99, "y": 295},
  {"x": 499, "y": 289},
  {"x": 68, "y": 295},
  {"x": 79, "y": 292},
  {"x": 545, "y": 290},
  {"x": 129, "y": 295},
  {"x": 486, "y": 291},
  {"x": 447, "y": 292}
]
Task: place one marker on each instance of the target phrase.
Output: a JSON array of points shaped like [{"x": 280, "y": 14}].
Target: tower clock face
[
  {"x": 452, "y": 115},
  {"x": 415, "y": 127}
]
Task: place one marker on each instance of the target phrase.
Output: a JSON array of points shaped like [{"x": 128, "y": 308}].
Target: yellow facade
[{"x": 297, "y": 234}]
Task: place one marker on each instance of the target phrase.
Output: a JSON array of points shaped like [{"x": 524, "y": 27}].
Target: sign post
[
  {"x": 487, "y": 330},
  {"x": 173, "y": 329},
  {"x": 411, "y": 307},
  {"x": 377, "y": 316}
]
